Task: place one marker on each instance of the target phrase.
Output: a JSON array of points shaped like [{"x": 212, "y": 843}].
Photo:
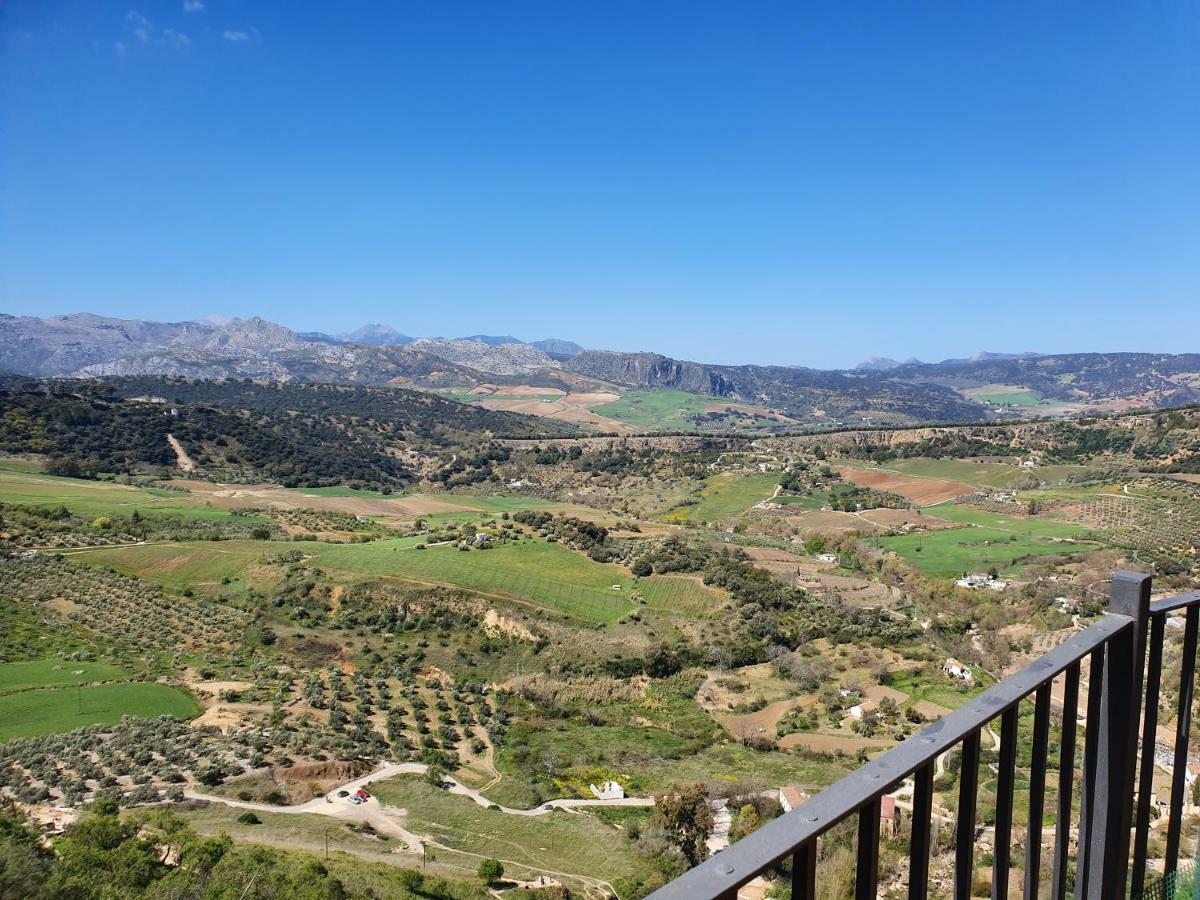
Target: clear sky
[{"x": 782, "y": 182}]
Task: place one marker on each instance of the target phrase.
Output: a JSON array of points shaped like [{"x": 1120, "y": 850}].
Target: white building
[
  {"x": 610, "y": 790},
  {"x": 791, "y": 797},
  {"x": 955, "y": 669}
]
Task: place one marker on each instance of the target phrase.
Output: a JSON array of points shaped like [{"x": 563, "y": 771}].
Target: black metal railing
[{"x": 1108, "y": 859}]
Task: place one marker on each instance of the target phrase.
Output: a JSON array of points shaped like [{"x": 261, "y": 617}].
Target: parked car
[
  {"x": 547, "y": 806},
  {"x": 343, "y": 793}
]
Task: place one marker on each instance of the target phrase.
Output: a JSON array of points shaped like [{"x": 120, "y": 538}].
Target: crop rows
[{"x": 118, "y": 607}]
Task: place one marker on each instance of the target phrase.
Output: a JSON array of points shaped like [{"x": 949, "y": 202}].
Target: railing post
[{"x": 1111, "y": 805}]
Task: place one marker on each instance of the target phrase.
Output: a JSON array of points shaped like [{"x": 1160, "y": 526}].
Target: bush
[
  {"x": 249, "y": 818},
  {"x": 491, "y": 871}
]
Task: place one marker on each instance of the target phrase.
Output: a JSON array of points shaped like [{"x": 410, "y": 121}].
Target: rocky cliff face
[{"x": 650, "y": 370}]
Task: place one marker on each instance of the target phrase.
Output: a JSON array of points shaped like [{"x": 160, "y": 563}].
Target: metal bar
[
  {"x": 1090, "y": 748},
  {"x": 1002, "y": 845},
  {"x": 1120, "y": 711},
  {"x": 1066, "y": 782},
  {"x": 1170, "y": 604},
  {"x": 1141, "y": 831},
  {"x": 1183, "y": 727},
  {"x": 780, "y": 837},
  {"x": 804, "y": 872},
  {"x": 964, "y": 828},
  {"x": 1037, "y": 791},
  {"x": 866, "y": 876},
  {"x": 918, "y": 845}
]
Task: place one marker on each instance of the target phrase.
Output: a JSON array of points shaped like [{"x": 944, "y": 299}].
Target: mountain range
[{"x": 984, "y": 387}]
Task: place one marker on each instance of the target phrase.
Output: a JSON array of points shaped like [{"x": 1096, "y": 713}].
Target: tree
[
  {"x": 747, "y": 821},
  {"x": 687, "y": 820},
  {"x": 491, "y": 871}
]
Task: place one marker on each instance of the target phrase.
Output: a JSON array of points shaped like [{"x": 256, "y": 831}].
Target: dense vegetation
[{"x": 296, "y": 435}]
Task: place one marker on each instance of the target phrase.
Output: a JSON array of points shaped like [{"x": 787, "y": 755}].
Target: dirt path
[
  {"x": 383, "y": 819},
  {"x": 181, "y": 458}
]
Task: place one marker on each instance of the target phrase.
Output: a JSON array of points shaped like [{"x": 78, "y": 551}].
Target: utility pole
[{"x": 326, "y": 844}]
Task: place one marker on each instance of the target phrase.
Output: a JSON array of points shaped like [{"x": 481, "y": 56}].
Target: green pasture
[
  {"x": 186, "y": 563},
  {"x": 649, "y": 410},
  {"x": 1028, "y": 527},
  {"x": 53, "y": 672},
  {"x": 55, "y": 710},
  {"x": 972, "y": 549},
  {"x": 98, "y": 497},
  {"x": 725, "y": 494},
  {"x": 340, "y": 490},
  {"x": 557, "y": 841},
  {"x": 20, "y": 464},
  {"x": 549, "y": 576},
  {"x": 984, "y": 475}
]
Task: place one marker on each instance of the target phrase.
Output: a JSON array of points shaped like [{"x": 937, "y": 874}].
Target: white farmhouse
[
  {"x": 955, "y": 669},
  {"x": 610, "y": 790}
]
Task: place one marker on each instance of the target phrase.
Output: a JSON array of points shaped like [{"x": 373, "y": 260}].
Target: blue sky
[{"x": 791, "y": 182}]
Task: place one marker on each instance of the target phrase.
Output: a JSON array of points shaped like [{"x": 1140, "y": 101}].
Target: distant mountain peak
[
  {"x": 376, "y": 335},
  {"x": 492, "y": 340},
  {"x": 885, "y": 364},
  {"x": 988, "y": 356}
]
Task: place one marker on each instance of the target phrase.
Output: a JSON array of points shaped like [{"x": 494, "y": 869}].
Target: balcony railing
[{"x": 1109, "y": 859}]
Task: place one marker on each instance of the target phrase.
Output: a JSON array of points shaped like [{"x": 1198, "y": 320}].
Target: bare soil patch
[
  {"x": 763, "y": 722},
  {"x": 898, "y": 518},
  {"x": 181, "y": 457},
  {"x": 921, "y": 491},
  {"x": 721, "y": 691},
  {"x": 830, "y": 521},
  {"x": 832, "y": 743}
]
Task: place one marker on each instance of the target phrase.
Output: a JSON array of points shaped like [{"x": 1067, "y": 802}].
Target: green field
[
  {"x": 1004, "y": 395},
  {"x": 19, "y": 676},
  {"x": 98, "y": 497},
  {"x": 987, "y": 539},
  {"x": 185, "y": 564},
  {"x": 557, "y": 842},
  {"x": 994, "y": 475},
  {"x": 1048, "y": 528},
  {"x": 549, "y": 576},
  {"x": 340, "y": 490},
  {"x": 725, "y": 494},
  {"x": 55, "y": 710},
  {"x": 651, "y": 410},
  {"x": 17, "y": 464}
]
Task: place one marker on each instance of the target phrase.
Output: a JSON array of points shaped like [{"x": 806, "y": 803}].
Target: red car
[{"x": 360, "y": 793}]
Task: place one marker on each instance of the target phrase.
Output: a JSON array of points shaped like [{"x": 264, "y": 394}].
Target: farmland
[
  {"x": 576, "y": 844},
  {"x": 488, "y": 620},
  {"x": 986, "y": 540},
  {"x": 724, "y": 495},
  {"x": 50, "y": 710},
  {"x": 19, "y": 676},
  {"x": 534, "y": 573},
  {"x": 20, "y": 486}
]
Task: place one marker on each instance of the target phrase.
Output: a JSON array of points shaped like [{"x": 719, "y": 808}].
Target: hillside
[
  {"x": 601, "y": 389},
  {"x": 298, "y": 435}
]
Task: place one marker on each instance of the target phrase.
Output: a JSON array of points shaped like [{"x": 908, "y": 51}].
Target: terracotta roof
[{"x": 794, "y": 796}]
